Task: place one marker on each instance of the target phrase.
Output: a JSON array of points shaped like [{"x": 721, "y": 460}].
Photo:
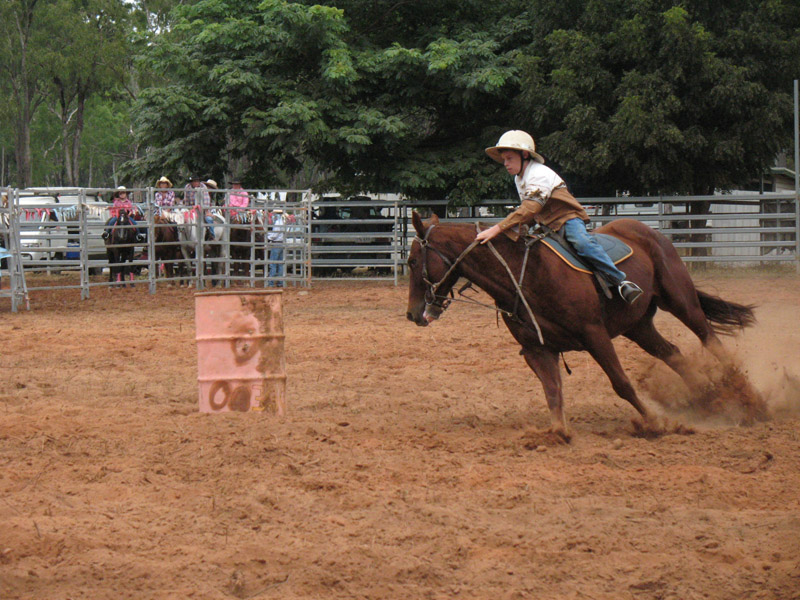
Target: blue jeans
[
  {"x": 209, "y": 230},
  {"x": 590, "y": 249},
  {"x": 275, "y": 266}
]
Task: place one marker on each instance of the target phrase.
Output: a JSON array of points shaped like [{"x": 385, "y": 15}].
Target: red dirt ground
[{"x": 411, "y": 462}]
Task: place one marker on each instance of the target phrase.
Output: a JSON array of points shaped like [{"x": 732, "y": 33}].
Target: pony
[
  {"x": 246, "y": 231},
  {"x": 185, "y": 220},
  {"x": 551, "y": 308},
  {"x": 119, "y": 249},
  {"x": 165, "y": 244}
]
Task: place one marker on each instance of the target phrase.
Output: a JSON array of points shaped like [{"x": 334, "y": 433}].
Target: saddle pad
[{"x": 616, "y": 249}]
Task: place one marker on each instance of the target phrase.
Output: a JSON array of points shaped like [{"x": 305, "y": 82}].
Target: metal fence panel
[{"x": 324, "y": 237}]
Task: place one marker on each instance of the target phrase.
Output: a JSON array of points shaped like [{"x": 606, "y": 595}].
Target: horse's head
[
  {"x": 124, "y": 232},
  {"x": 432, "y": 275}
]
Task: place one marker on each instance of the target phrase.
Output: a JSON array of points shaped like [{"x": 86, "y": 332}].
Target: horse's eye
[{"x": 412, "y": 262}]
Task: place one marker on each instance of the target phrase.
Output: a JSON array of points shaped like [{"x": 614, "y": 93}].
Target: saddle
[{"x": 616, "y": 249}]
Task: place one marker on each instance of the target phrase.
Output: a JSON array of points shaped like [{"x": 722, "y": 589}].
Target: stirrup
[
  {"x": 105, "y": 235},
  {"x": 139, "y": 237},
  {"x": 629, "y": 291}
]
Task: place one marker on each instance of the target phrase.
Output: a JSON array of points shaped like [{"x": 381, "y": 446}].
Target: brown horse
[
  {"x": 119, "y": 249},
  {"x": 246, "y": 231},
  {"x": 569, "y": 312},
  {"x": 166, "y": 245}
]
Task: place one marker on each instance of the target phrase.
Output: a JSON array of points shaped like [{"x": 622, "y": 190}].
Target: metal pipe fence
[
  {"x": 292, "y": 237},
  {"x": 742, "y": 228}
]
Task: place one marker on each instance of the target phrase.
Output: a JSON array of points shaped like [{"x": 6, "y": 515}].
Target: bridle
[
  {"x": 432, "y": 299},
  {"x": 435, "y": 304}
]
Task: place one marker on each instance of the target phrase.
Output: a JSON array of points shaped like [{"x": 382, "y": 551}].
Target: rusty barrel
[{"x": 240, "y": 359}]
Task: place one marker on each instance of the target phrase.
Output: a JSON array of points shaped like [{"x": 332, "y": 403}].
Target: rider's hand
[{"x": 487, "y": 234}]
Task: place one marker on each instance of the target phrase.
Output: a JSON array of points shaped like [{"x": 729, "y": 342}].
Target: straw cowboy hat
[
  {"x": 212, "y": 184},
  {"x": 164, "y": 180},
  {"x": 120, "y": 189},
  {"x": 514, "y": 140}
]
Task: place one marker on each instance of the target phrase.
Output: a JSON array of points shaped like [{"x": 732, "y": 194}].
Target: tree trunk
[
  {"x": 74, "y": 176},
  {"x": 23, "y": 149}
]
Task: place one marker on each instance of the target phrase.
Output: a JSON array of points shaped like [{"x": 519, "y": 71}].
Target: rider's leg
[
  {"x": 109, "y": 226},
  {"x": 140, "y": 232},
  {"x": 590, "y": 249}
]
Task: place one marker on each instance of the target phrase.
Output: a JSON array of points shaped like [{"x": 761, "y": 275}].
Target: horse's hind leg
[
  {"x": 645, "y": 334},
  {"x": 677, "y": 295},
  {"x": 545, "y": 364}
]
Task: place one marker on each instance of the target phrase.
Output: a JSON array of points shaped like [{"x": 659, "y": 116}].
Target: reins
[{"x": 431, "y": 293}]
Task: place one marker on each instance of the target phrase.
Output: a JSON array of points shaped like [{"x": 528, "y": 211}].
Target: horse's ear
[
  {"x": 434, "y": 219},
  {"x": 417, "y": 221}
]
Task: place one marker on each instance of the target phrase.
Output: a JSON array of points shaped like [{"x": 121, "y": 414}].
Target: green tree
[
  {"x": 648, "y": 96},
  {"x": 373, "y": 96},
  {"x": 23, "y": 34},
  {"x": 653, "y": 96},
  {"x": 90, "y": 55}
]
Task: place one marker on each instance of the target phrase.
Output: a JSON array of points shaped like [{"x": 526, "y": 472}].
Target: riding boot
[{"x": 629, "y": 291}]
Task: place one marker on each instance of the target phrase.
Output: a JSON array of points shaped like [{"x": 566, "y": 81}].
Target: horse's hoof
[
  {"x": 560, "y": 434},
  {"x": 653, "y": 427},
  {"x": 535, "y": 439}
]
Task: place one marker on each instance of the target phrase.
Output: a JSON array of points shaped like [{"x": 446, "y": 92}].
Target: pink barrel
[{"x": 240, "y": 361}]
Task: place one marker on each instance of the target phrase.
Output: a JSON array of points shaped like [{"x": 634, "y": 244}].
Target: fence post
[
  {"x": 198, "y": 251},
  {"x": 395, "y": 245},
  {"x": 308, "y": 209},
  {"x": 83, "y": 234},
  {"x": 152, "y": 267},
  {"x": 15, "y": 260},
  {"x": 796, "y": 178},
  {"x": 253, "y": 251},
  {"x": 226, "y": 247}
]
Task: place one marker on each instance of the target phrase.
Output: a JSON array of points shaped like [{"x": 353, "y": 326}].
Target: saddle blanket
[{"x": 617, "y": 251}]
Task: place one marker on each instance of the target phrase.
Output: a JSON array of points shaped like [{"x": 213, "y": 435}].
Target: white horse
[{"x": 189, "y": 234}]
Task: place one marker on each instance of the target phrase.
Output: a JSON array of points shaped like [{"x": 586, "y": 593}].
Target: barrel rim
[{"x": 239, "y": 293}]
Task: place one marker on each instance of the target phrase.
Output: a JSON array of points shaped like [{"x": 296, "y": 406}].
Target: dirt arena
[{"x": 412, "y": 462}]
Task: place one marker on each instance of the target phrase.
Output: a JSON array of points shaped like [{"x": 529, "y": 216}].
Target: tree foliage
[
  {"x": 655, "y": 96},
  {"x": 378, "y": 95},
  {"x": 644, "y": 96}
]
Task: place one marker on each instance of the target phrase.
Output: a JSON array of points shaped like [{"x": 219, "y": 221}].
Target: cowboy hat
[
  {"x": 164, "y": 180},
  {"x": 211, "y": 183},
  {"x": 514, "y": 140}
]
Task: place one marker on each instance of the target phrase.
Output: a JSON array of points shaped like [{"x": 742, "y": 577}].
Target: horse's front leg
[{"x": 545, "y": 364}]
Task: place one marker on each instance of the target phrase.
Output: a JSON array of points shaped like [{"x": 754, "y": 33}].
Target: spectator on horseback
[
  {"x": 164, "y": 197},
  {"x": 547, "y": 201},
  {"x": 195, "y": 193},
  {"x": 238, "y": 198},
  {"x": 121, "y": 202}
]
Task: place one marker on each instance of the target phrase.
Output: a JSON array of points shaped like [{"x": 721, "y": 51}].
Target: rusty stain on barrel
[{"x": 240, "y": 351}]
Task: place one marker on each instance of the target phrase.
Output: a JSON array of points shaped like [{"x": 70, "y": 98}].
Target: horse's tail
[{"x": 726, "y": 317}]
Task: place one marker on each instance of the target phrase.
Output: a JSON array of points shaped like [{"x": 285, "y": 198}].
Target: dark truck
[{"x": 351, "y": 233}]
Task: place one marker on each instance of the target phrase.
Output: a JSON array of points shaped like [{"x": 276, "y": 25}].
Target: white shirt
[
  {"x": 537, "y": 182},
  {"x": 277, "y": 232}
]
